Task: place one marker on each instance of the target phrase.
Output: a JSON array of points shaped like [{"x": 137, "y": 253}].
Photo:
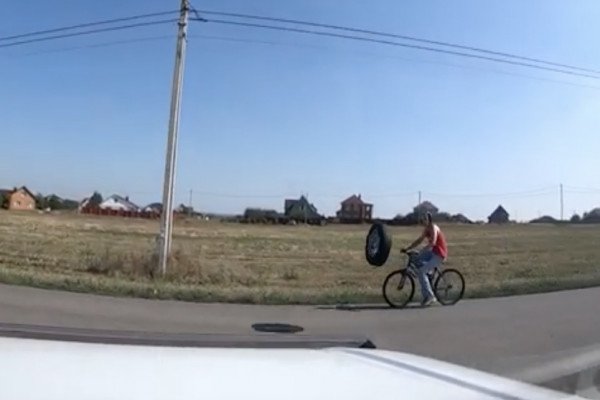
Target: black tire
[
  {"x": 449, "y": 287},
  {"x": 398, "y": 289},
  {"x": 378, "y": 245}
]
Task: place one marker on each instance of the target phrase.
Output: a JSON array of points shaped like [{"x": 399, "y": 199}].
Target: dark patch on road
[{"x": 276, "y": 327}]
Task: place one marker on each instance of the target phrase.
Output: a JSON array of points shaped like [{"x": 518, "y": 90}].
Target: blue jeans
[{"x": 428, "y": 262}]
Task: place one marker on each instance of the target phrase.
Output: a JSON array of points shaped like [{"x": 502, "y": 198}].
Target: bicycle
[{"x": 399, "y": 286}]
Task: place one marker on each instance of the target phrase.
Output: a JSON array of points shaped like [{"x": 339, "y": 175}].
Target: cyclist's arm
[
  {"x": 417, "y": 242},
  {"x": 434, "y": 234}
]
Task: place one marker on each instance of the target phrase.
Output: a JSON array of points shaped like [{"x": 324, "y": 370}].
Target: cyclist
[{"x": 430, "y": 257}]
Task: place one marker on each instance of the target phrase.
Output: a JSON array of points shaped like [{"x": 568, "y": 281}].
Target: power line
[
  {"x": 469, "y": 67},
  {"x": 292, "y": 44},
  {"x": 391, "y": 43},
  {"x": 582, "y": 188},
  {"x": 527, "y": 193},
  {"x": 89, "y": 32},
  {"x": 86, "y": 25},
  {"x": 284, "y": 195},
  {"x": 98, "y": 45},
  {"x": 396, "y": 36}
]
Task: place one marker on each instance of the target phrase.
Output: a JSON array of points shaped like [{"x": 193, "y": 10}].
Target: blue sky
[{"x": 279, "y": 114}]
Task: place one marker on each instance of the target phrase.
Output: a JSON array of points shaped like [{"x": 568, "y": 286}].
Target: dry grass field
[{"x": 215, "y": 261}]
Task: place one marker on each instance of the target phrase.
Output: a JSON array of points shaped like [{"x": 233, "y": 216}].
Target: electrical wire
[
  {"x": 581, "y": 190},
  {"x": 282, "y": 195},
  {"x": 468, "y": 67},
  {"x": 396, "y": 36},
  {"x": 86, "y": 25},
  {"x": 391, "y": 43},
  {"x": 97, "y": 45},
  {"x": 89, "y": 32},
  {"x": 528, "y": 193}
]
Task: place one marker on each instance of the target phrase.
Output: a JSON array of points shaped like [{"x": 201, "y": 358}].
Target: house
[
  {"x": 499, "y": 216},
  {"x": 263, "y": 215},
  {"x": 18, "y": 199},
  {"x": 54, "y": 202},
  {"x": 153, "y": 208},
  {"x": 591, "y": 217},
  {"x": 425, "y": 207},
  {"x": 354, "y": 209},
  {"x": 461, "y": 219},
  {"x": 90, "y": 203},
  {"x": 545, "y": 219},
  {"x": 85, "y": 204},
  {"x": 301, "y": 210},
  {"x": 118, "y": 203},
  {"x": 184, "y": 210}
]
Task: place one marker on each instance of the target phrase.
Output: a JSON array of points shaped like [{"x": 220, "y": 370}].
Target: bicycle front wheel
[
  {"x": 449, "y": 287},
  {"x": 398, "y": 289}
]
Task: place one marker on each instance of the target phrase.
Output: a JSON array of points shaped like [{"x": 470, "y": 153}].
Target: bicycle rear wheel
[
  {"x": 449, "y": 287},
  {"x": 398, "y": 289}
]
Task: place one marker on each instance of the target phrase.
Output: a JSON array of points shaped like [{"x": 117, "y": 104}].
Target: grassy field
[{"x": 278, "y": 264}]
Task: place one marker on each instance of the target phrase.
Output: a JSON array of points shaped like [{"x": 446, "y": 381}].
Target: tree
[
  {"x": 53, "y": 202},
  {"x": 96, "y": 199},
  {"x": 575, "y": 219},
  {"x": 3, "y": 201},
  {"x": 40, "y": 202},
  {"x": 68, "y": 204}
]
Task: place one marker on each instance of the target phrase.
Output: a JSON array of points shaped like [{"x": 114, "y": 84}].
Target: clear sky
[{"x": 280, "y": 114}]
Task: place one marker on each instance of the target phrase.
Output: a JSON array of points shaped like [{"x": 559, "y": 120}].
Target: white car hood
[{"x": 46, "y": 369}]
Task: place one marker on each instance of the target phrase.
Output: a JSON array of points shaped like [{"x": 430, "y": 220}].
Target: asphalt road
[{"x": 482, "y": 333}]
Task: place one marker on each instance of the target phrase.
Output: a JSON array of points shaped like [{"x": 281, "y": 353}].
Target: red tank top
[{"x": 437, "y": 241}]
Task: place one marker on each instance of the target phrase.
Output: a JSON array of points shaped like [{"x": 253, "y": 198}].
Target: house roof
[
  {"x": 354, "y": 199},
  {"x": 87, "y": 201},
  {"x": 595, "y": 212},
  {"x": 29, "y": 192},
  {"x": 499, "y": 212},
  {"x": 122, "y": 200},
  {"x": 11, "y": 191},
  {"x": 290, "y": 205},
  {"x": 427, "y": 206},
  {"x": 157, "y": 206}
]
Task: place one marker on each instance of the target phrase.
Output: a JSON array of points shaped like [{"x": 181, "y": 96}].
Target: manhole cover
[{"x": 276, "y": 327}]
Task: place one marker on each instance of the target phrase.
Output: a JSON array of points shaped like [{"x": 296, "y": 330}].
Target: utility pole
[
  {"x": 419, "y": 198},
  {"x": 562, "y": 203},
  {"x": 190, "y": 209},
  {"x": 166, "y": 223}
]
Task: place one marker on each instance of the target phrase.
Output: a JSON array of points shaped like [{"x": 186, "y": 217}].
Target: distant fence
[{"x": 120, "y": 213}]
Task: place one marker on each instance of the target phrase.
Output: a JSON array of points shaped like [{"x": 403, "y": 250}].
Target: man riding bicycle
[{"x": 430, "y": 257}]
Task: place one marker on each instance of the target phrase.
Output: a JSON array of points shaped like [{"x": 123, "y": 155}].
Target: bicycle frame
[{"x": 412, "y": 268}]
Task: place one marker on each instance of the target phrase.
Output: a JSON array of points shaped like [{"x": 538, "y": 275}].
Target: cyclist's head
[{"x": 426, "y": 219}]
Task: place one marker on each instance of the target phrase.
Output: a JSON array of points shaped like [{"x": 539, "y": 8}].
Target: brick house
[
  {"x": 354, "y": 209},
  {"x": 18, "y": 199}
]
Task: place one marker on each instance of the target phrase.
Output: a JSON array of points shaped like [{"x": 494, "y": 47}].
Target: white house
[
  {"x": 118, "y": 203},
  {"x": 153, "y": 208}
]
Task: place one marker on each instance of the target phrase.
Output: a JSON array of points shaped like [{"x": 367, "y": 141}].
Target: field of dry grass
[{"x": 215, "y": 261}]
